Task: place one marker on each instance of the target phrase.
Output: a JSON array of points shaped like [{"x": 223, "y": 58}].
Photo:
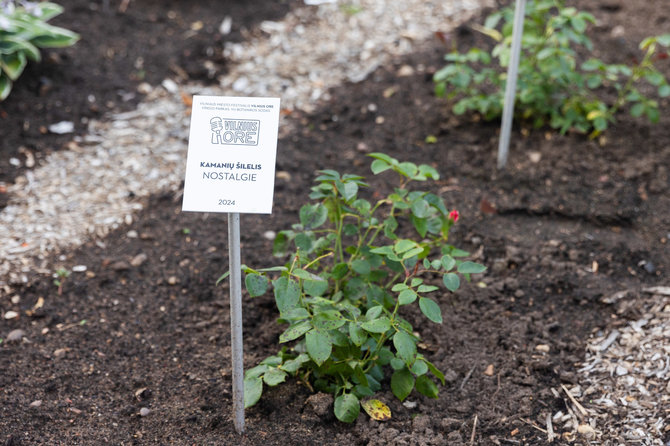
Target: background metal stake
[{"x": 510, "y": 89}]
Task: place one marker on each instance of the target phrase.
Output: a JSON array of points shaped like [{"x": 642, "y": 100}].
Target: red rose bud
[{"x": 453, "y": 215}]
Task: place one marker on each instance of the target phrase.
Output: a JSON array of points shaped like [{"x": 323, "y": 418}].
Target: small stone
[
  {"x": 172, "y": 280},
  {"x": 362, "y": 147},
  {"x": 144, "y": 88},
  {"x": 36, "y": 403},
  {"x": 489, "y": 370},
  {"x": 270, "y": 235},
  {"x": 519, "y": 293},
  {"x": 621, "y": 371},
  {"x": 170, "y": 85},
  {"x": 534, "y": 157},
  {"x": 405, "y": 70},
  {"x": 59, "y": 353},
  {"x": 586, "y": 430},
  {"x": 15, "y": 335},
  {"x": 132, "y": 234},
  {"x": 62, "y": 127},
  {"x": 16, "y": 299},
  {"x": 121, "y": 265},
  {"x": 379, "y": 120},
  {"x": 11, "y": 315},
  {"x": 409, "y": 404},
  {"x": 283, "y": 175},
  {"x": 543, "y": 348},
  {"x": 138, "y": 260},
  {"x": 79, "y": 268},
  {"x": 144, "y": 412}
]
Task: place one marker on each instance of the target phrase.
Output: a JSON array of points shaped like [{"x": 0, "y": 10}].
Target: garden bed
[{"x": 572, "y": 232}]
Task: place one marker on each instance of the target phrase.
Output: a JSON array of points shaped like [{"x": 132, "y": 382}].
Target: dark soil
[{"x": 558, "y": 234}]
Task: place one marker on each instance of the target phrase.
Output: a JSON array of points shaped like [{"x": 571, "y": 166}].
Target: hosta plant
[
  {"x": 553, "y": 88},
  {"x": 354, "y": 267},
  {"x": 23, "y": 31}
]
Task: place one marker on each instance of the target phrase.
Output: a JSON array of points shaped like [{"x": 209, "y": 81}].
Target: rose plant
[
  {"x": 353, "y": 267},
  {"x": 552, "y": 88},
  {"x": 23, "y": 31}
]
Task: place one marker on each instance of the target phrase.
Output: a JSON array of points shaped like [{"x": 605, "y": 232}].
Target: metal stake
[
  {"x": 236, "y": 320},
  {"x": 510, "y": 89}
]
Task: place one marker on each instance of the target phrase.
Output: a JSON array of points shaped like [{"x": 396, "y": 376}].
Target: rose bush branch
[{"x": 552, "y": 88}]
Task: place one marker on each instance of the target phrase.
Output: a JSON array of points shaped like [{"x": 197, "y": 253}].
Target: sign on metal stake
[
  {"x": 510, "y": 89},
  {"x": 230, "y": 168}
]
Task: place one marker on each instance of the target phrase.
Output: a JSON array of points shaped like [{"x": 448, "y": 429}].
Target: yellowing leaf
[
  {"x": 492, "y": 33},
  {"x": 593, "y": 114},
  {"x": 377, "y": 410}
]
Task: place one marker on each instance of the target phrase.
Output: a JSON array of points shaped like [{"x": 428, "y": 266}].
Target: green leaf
[
  {"x": 426, "y": 386},
  {"x": 435, "y": 371},
  {"x": 274, "y": 376},
  {"x": 448, "y": 262},
  {"x": 405, "y": 346},
  {"x": 293, "y": 365},
  {"x": 13, "y": 64},
  {"x": 287, "y": 293},
  {"x": 5, "y": 86},
  {"x": 361, "y": 266},
  {"x": 315, "y": 287},
  {"x": 256, "y": 284},
  {"x": 379, "y": 166},
  {"x": 412, "y": 253},
  {"x": 328, "y": 320},
  {"x": 419, "y": 368},
  {"x": 255, "y": 372},
  {"x": 426, "y": 288},
  {"x": 348, "y": 190},
  {"x": 406, "y": 297},
  {"x": 303, "y": 242},
  {"x": 451, "y": 281},
  {"x": 420, "y": 224},
  {"x": 430, "y": 309},
  {"x": 318, "y": 346},
  {"x": 664, "y": 91},
  {"x": 294, "y": 314},
  {"x": 420, "y": 208},
  {"x": 402, "y": 383},
  {"x": 471, "y": 268},
  {"x": 637, "y": 110},
  {"x": 655, "y": 78},
  {"x": 58, "y": 38},
  {"x": 373, "y": 312},
  {"x": 357, "y": 335},
  {"x": 295, "y": 331},
  {"x": 380, "y": 325},
  {"x": 403, "y": 245},
  {"x": 347, "y": 408},
  {"x": 253, "y": 388},
  {"x": 313, "y": 215}
]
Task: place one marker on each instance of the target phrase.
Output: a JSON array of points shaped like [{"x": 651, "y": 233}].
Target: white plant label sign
[{"x": 232, "y": 149}]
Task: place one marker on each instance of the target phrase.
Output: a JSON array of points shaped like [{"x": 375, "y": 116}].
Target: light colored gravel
[
  {"x": 85, "y": 192},
  {"x": 625, "y": 378}
]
